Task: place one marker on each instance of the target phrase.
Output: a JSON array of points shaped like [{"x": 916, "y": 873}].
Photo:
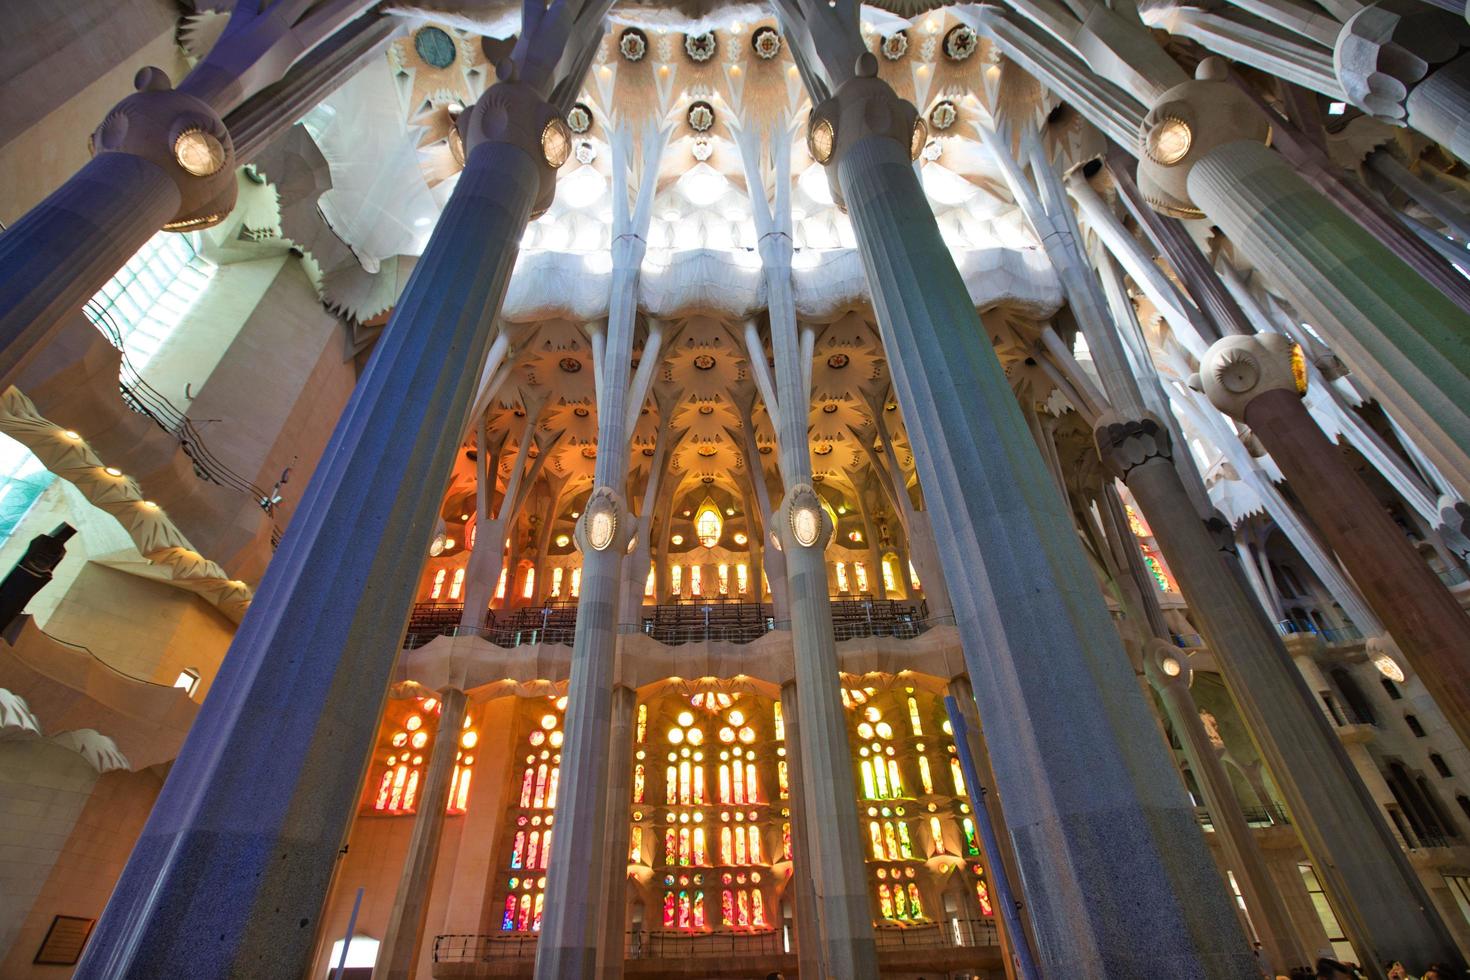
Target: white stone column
[
  {"x": 804, "y": 893},
  {"x": 570, "y": 934},
  {"x": 613, "y": 913}
]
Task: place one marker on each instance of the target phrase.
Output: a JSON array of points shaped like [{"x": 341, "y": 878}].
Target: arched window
[
  {"x": 529, "y": 589},
  {"x": 556, "y": 577},
  {"x": 742, "y": 578},
  {"x": 841, "y": 570},
  {"x": 861, "y": 575},
  {"x": 576, "y": 581},
  {"x": 708, "y": 524},
  {"x": 438, "y": 587},
  {"x": 407, "y": 737},
  {"x": 890, "y": 573},
  {"x": 456, "y": 584}
]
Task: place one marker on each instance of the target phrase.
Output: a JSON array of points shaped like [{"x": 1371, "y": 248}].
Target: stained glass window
[
  {"x": 532, "y": 817},
  {"x": 438, "y": 588},
  {"x": 406, "y": 738}
]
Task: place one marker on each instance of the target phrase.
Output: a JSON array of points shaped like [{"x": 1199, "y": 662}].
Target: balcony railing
[
  {"x": 644, "y": 944},
  {"x": 1273, "y": 815},
  {"x": 673, "y": 624}
]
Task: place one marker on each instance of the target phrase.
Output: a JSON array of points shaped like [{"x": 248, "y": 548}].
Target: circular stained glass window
[{"x": 435, "y": 47}]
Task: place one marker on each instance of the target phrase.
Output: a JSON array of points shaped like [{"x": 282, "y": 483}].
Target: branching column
[
  {"x": 1044, "y": 659},
  {"x": 570, "y": 933},
  {"x": 229, "y": 873},
  {"x": 613, "y": 914},
  {"x": 804, "y": 898},
  {"x": 829, "y": 793}
]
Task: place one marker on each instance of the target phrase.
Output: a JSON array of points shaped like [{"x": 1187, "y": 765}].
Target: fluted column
[
  {"x": 803, "y": 530},
  {"x": 613, "y": 913},
  {"x": 1405, "y": 339},
  {"x": 1253, "y": 379},
  {"x": 243, "y": 839},
  {"x": 1268, "y": 913},
  {"x": 399, "y": 954},
  {"x": 1376, "y": 893},
  {"x": 570, "y": 933},
  {"x": 1046, "y": 663},
  {"x": 808, "y": 924}
]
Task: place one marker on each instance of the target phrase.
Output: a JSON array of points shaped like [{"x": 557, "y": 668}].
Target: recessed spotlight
[
  {"x": 112, "y": 471},
  {"x": 148, "y": 505},
  {"x": 71, "y": 434}
]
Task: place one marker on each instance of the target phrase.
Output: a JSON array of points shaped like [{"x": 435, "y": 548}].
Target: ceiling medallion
[
  {"x": 766, "y": 42},
  {"x": 701, "y": 117},
  {"x": 586, "y": 152},
  {"x": 570, "y": 365},
  {"x": 579, "y": 119},
  {"x": 700, "y": 47},
  {"x": 896, "y": 45},
  {"x": 765, "y": 450},
  {"x": 943, "y": 115},
  {"x": 435, "y": 47},
  {"x": 706, "y": 410},
  {"x": 830, "y": 408},
  {"x": 707, "y": 480},
  {"x": 633, "y": 44},
  {"x": 589, "y": 452},
  {"x": 704, "y": 361},
  {"x": 823, "y": 450},
  {"x": 960, "y": 42},
  {"x": 702, "y": 150},
  {"x": 581, "y": 412},
  {"x": 838, "y": 360},
  {"x": 707, "y": 450},
  {"x": 647, "y": 451}
]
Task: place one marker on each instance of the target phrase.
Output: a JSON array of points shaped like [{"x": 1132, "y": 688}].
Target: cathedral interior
[{"x": 676, "y": 489}]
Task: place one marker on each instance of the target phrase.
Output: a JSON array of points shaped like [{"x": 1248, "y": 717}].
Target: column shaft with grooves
[
  {"x": 1093, "y": 804},
  {"x": 231, "y": 868}
]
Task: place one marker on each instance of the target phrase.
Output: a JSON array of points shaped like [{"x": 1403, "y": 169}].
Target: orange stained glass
[
  {"x": 781, "y": 779},
  {"x": 638, "y": 779},
  {"x": 890, "y": 840},
  {"x": 924, "y": 776},
  {"x": 726, "y": 855},
  {"x": 527, "y": 782},
  {"x": 670, "y": 909},
  {"x": 755, "y": 844},
  {"x": 752, "y": 785},
  {"x": 551, "y": 790},
  {"x": 700, "y": 857},
  {"x": 875, "y": 837},
  {"x": 725, "y": 784},
  {"x": 635, "y": 846},
  {"x": 671, "y": 785},
  {"x": 885, "y": 902},
  {"x": 916, "y": 908},
  {"x": 757, "y": 908},
  {"x": 957, "y": 776}
]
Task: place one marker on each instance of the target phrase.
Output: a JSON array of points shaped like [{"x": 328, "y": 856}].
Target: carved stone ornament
[
  {"x": 514, "y": 112},
  {"x": 1124, "y": 444},
  {"x": 766, "y": 42},
  {"x": 1235, "y": 370},
  {"x": 633, "y": 44},
  {"x": 184, "y": 138},
  {"x": 1185, "y": 125},
  {"x": 1385, "y": 49},
  {"x": 601, "y": 525},
  {"x": 895, "y": 45},
  {"x": 805, "y": 522},
  {"x": 700, "y": 47}
]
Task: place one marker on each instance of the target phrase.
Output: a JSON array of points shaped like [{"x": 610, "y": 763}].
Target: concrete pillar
[
  {"x": 808, "y": 923},
  {"x": 619, "y": 794},
  {"x": 1046, "y": 663},
  {"x": 398, "y": 956},
  {"x": 1168, "y": 675},
  {"x": 244, "y": 837}
]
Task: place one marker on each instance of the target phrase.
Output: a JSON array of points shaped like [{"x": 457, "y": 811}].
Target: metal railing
[
  {"x": 646, "y": 944},
  {"x": 1342, "y": 634},
  {"x": 714, "y": 621},
  {"x": 143, "y": 398},
  {"x": 1272, "y": 815}
]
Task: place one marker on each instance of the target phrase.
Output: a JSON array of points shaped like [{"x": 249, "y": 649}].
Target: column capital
[
  {"x": 1125, "y": 444},
  {"x": 862, "y": 106},
  {"x": 512, "y": 111},
  {"x": 1184, "y": 126},
  {"x": 183, "y": 137},
  {"x": 1237, "y": 370}
]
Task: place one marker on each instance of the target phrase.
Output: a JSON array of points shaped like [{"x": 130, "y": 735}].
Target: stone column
[
  {"x": 803, "y": 530},
  {"x": 1421, "y": 614},
  {"x": 398, "y": 958},
  {"x": 1170, "y": 678},
  {"x": 1205, "y": 154},
  {"x": 244, "y": 837},
  {"x": 619, "y": 794},
  {"x": 808, "y": 924},
  {"x": 162, "y": 159},
  {"x": 1375, "y": 892},
  {"x": 1046, "y": 663},
  {"x": 570, "y": 934}
]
